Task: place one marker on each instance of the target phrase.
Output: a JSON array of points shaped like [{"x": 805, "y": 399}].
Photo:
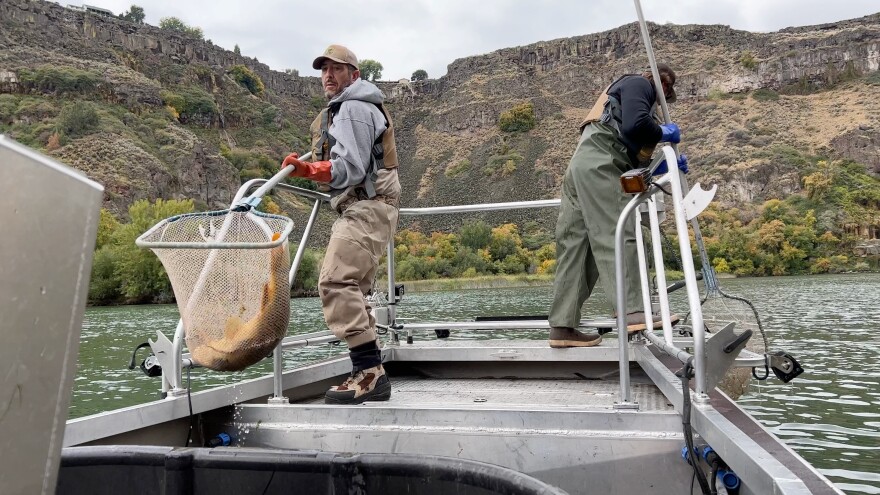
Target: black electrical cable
[
  {"x": 766, "y": 369},
  {"x": 755, "y": 311},
  {"x": 658, "y": 186},
  {"x": 712, "y": 489},
  {"x": 686, "y": 373},
  {"x": 269, "y": 483}
]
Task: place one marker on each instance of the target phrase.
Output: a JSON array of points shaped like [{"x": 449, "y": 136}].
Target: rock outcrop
[{"x": 449, "y": 142}]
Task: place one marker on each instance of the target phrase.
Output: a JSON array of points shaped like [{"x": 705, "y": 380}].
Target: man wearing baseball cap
[{"x": 354, "y": 153}]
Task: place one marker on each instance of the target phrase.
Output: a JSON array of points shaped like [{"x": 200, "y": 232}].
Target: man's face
[{"x": 335, "y": 77}]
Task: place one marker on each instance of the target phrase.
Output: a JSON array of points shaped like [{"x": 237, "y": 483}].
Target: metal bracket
[
  {"x": 721, "y": 352},
  {"x": 162, "y": 348},
  {"x": 697, "y": 200},
  {"x": 626, "y": 406},
  {"x": 250, "y": 202}
]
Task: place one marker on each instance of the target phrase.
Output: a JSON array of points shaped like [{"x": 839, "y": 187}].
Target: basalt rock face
[
  {"x": 53, "y": 28},
  {"x": 136, "y": 63},
  {"x": 730, "y": 133},
  {"x": 860, "y": 145},
  {"x": 449, "y": 142}
]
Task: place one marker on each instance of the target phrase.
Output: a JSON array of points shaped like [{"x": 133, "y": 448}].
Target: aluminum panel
[{"x": 50, "y": 218}]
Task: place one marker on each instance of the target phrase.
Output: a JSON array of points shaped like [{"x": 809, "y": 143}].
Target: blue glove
[
  {"x": 682, "y": 165},
  {"x": 671, "y": 133}
]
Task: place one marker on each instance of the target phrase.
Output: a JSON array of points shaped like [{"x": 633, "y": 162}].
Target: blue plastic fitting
[
  {"x": 684, "y": 454},
  {"x": 729, "y": 479}
]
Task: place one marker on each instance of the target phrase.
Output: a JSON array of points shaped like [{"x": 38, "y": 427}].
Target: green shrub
[
  {"x": 307, "y": 274},
  {"x": 511, "y": 264},
  {"x": 142, "y": 276},
  {"x": 765, "y": 94},
  {"x": 269, "y": 114},
  {"x": 748, "y": 60},
  {"x": 718, "y": 94},
  {"x": 505, "y": 242},
  {"x": 107, "y": 225},
  {"x": 37, "y": 108},
  {"x": 8, "y": 107},
  {"x": 191, "y": 103},
  {"x": 520, "y": 118},
  {"x": 475, "y": 235},
  {"x": 175, "y": 24},
  {"x": 802, "y": 87},
  {"x": 78, "y": 119},
  {"x": 467, "y": 261},
  {"x": 58, "y": 80},
  {"x": 104, "y": 285},
  {"x": 171, "y": 74},
  {"x": 457, "y": 168},
  {"x": 505, "y": 163},
  {"x": 247, "y": 78},
  {"x": 173, "y": 100},
  {"x": 534, "y": 237}
]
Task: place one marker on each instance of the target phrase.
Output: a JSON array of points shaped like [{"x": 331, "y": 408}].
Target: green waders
[{"x": 592, "y": 201}]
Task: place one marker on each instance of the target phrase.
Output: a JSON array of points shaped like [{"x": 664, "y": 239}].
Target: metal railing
[
  {"x": 631, "y": 212},
  {"x": 675, "y": 180}
]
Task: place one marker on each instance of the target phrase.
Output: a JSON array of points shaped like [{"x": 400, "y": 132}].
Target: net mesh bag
[{"x": 229, "y": 271}]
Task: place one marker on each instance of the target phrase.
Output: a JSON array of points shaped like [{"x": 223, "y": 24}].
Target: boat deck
[
  {"x": 517, "y": 403},
  {"x": 546, "y": 412},
  {"x": 513, "y": 393}
]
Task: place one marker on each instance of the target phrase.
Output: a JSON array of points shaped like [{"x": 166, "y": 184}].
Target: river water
[{"x": 830, "y": 415}]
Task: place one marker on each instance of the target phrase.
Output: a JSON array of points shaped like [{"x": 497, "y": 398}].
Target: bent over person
[
  {"x": 354, "y": 152},
  {"x": 619, "y": 134}
]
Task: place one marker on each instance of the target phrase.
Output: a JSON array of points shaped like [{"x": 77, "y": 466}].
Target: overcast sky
[{"x": 406, "y": 35}]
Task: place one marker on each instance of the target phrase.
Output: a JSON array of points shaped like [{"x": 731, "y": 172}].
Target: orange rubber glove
[{"x": 316, "y": 171}]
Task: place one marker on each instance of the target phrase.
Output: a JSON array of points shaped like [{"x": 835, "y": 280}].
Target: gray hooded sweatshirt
[{"x": 355, "y": 127}]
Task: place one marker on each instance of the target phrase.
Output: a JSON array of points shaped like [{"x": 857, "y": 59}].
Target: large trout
[{"x": 246, "y": 343}]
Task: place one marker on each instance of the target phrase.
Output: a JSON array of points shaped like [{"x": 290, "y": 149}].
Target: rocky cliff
[{"x": 748, "y": 101}]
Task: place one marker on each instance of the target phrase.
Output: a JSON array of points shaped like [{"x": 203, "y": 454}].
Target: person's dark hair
[{"x": 667, "y": 76}]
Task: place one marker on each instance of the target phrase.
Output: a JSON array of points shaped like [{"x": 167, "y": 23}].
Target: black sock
[{"x": 365, "y": 356}]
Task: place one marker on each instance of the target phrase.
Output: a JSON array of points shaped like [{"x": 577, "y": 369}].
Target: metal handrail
[
  {"x": 665, "y": 344},
  {"x": 515, "y": 205},
  {"x": 674, "y": 180}
]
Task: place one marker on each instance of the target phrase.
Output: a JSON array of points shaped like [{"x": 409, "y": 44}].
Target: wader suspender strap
[
  {"x": 326, "y": 141},
  {"x": 377, "y": 160},
  {"x": 377, "y": 153},
  {"x": 612, "y": 115}
]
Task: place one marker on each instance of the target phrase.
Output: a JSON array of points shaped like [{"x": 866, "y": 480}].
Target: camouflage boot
[{"x": 365, "y": 385}]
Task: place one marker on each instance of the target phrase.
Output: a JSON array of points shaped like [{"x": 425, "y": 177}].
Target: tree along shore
[{"x": 775, "y": 238}]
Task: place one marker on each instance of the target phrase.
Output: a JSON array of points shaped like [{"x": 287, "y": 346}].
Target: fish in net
[{"x": 229, "y": 271}]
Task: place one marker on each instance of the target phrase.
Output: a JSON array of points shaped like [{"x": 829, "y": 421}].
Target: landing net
[{"x": 229, "y": 271}]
